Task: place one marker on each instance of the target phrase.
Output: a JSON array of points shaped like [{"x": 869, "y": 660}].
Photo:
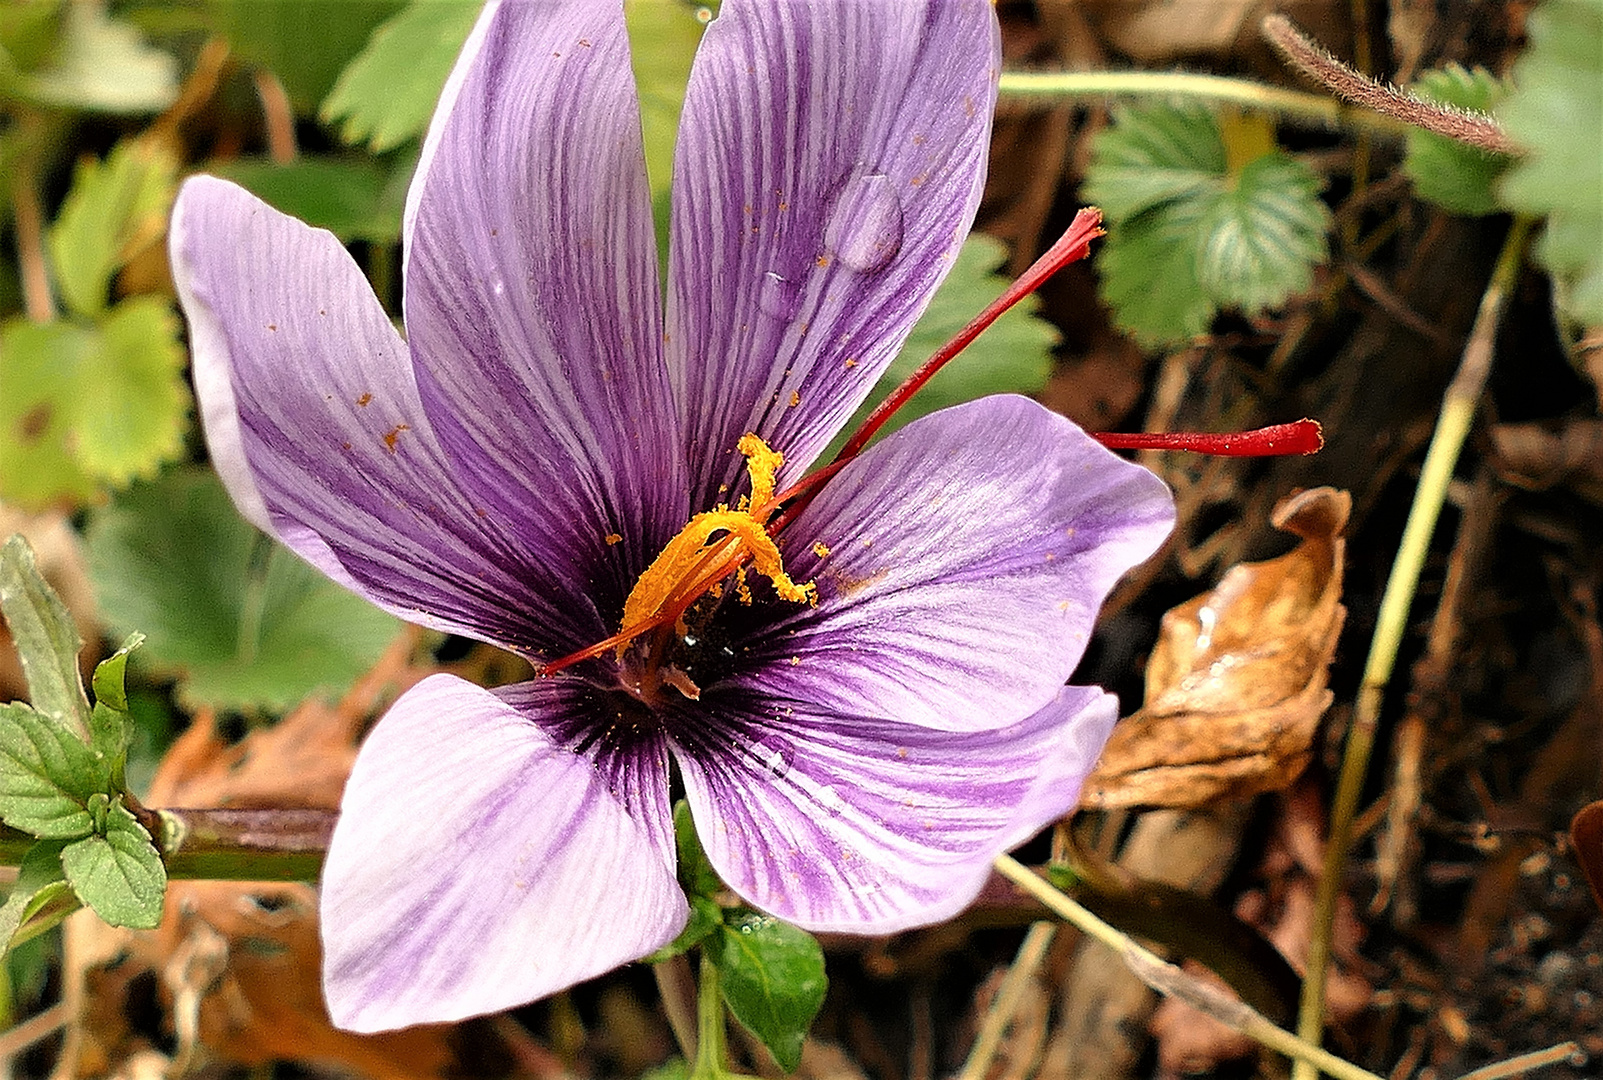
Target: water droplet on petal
[
  {"x": 772, "y": 756},
  {"x": 865, "y": 223},
  {"x": 779, "y": 296}
]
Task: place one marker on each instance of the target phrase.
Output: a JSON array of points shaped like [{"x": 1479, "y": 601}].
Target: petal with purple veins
[
  {"x": 869, "y": 826},
  {"x": 960, "y": 565},
  {"x": 829, "y": 163},
  {"x": 478, "y": 864},
  {"x": 313, "y": 421},
  {"x": 532, "y": 292}
]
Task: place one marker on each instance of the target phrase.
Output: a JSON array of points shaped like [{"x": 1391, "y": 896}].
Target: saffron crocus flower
[{"x": 865, "y": 709}]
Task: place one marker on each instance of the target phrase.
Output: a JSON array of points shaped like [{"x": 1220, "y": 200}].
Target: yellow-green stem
[
  {"x": 1168, "y": 979},
  {"x": 712, "y": 1061},
  {"x": 1452, "y": 427},
  {"x": 1057, "y": 86}
]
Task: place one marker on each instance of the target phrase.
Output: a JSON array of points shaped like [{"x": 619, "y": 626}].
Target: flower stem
[
  {"x": 711, "y": 1055},
  {"x": 1168, "y": 979},
  {"x": 1452, "y": 427}
]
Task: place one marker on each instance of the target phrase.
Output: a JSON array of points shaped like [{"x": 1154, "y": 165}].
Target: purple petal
[
  {"x": 830, "y": 161},
  {"x": 313, "y": 421},
  {"x": 867, "y": 825},
  {"x": 478, "y": 865},
  {"x": 968, "y": 555},
  {"x": 532, "y": 293}
]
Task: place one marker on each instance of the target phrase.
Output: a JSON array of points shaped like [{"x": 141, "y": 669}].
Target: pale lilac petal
[
  {"x": 868, "y": 825},
  {"x": 968, "y": 555},
  {"x": 478, "y": 864},
  {"x": 532, "y": 294},
  {"x": 313, "y": 421},
  {"x": 830, "y": 160}
]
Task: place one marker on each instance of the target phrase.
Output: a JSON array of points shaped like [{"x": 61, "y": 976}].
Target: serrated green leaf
[
  {"x": 1556, "y": 113},
  {"x": 88, "y": 405},
  {"x": 38, "y": 365},
  {"x": 1261, "y": 237},
  {"x": 1153, "y": 156},
  {"x": 772, "y": 976},
  {"x": 39, "y": 878},
  {"x": 1013, "y": 356},
  {"x": 46, "y": 639},
  {"x": 305, "y": 43},
  {"x": 242, "y": 621},
  {"x": 120, "y": 875},
  {"x": 1193, "y": 227},
  {"x": 109, "y": 733},
  {"x": 353, "y": 198},
  {"x": 705, "y": 917},
  {"x": 114, "y": 207},
  {"x": 1149, "y": 276},
  {"x": 47, "y": 775},
  {"x": 103, "y": 64},
  {"x": 386, "y": 94},
  {"x": 1460, "y": 179}
]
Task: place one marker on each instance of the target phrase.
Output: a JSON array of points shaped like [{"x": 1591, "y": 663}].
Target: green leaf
[
  {"x": 244, "y": 623},
  {"x": 103, "y": 64},
  {"x": 1460, "y": 179},
  {"x": 695, "y": 872},
  {"x": 88, "y": 405},
  {"x": 386, "y": 94},
  {"x": 115, "y": 207},
  {"x": 305, "y": 43},
  {"x": 1154, "y": 156},
  {"x": 1195, "y": 224},
  {"x": 353, "y": 198},
  {"x": 772, "y": 976},
  {"x": 45, "y": 637},
  {"x": 1013, "y": 356},
  {"x": 47, "y": 775},
  {"x": 28, "y": 33},
  {"x": 120, "y": 875},
  {"x": 1556, "y": 113},
  {"x": 109, "y": 725},
  {"x": 1261, "y": 237},
  {"x": 40, "y": 880}
]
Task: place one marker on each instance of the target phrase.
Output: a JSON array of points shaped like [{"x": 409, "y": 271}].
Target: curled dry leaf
[{"x": 1237, "y": 681}]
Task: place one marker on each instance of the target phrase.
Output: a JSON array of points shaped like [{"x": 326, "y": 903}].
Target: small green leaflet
[
  {"x": 701, "y": 884},
  {"x": 118, "y": 872},
  {"x": 47, "y": 775},
  {"x": 45, "y": 637},
  {"x": 1556, "y": 112},
  {"x": 90, "y": 404},
  {"x": 40, "y": 890},
  {"x": 115, "y": 207},
  {"x": 1013, "y": 356},
  {"x": 1196, "y": 224},
  {"x": 386, "y": 94},
  {"x": 772, "y": 976},
  {"x": 241, "y": 621},
  {"x": 1460, "y": 179}
]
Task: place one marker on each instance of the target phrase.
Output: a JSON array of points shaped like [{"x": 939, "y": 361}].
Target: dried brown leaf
[{"x": 1237, "y": 681}]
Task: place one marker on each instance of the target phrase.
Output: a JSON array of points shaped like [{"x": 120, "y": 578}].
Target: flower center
[{"x": 711, "y": 547}]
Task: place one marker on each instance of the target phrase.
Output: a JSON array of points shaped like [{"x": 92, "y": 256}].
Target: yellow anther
[
  {"x": 694, "y": 563},
  {"x": 763, "y": 464}
]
